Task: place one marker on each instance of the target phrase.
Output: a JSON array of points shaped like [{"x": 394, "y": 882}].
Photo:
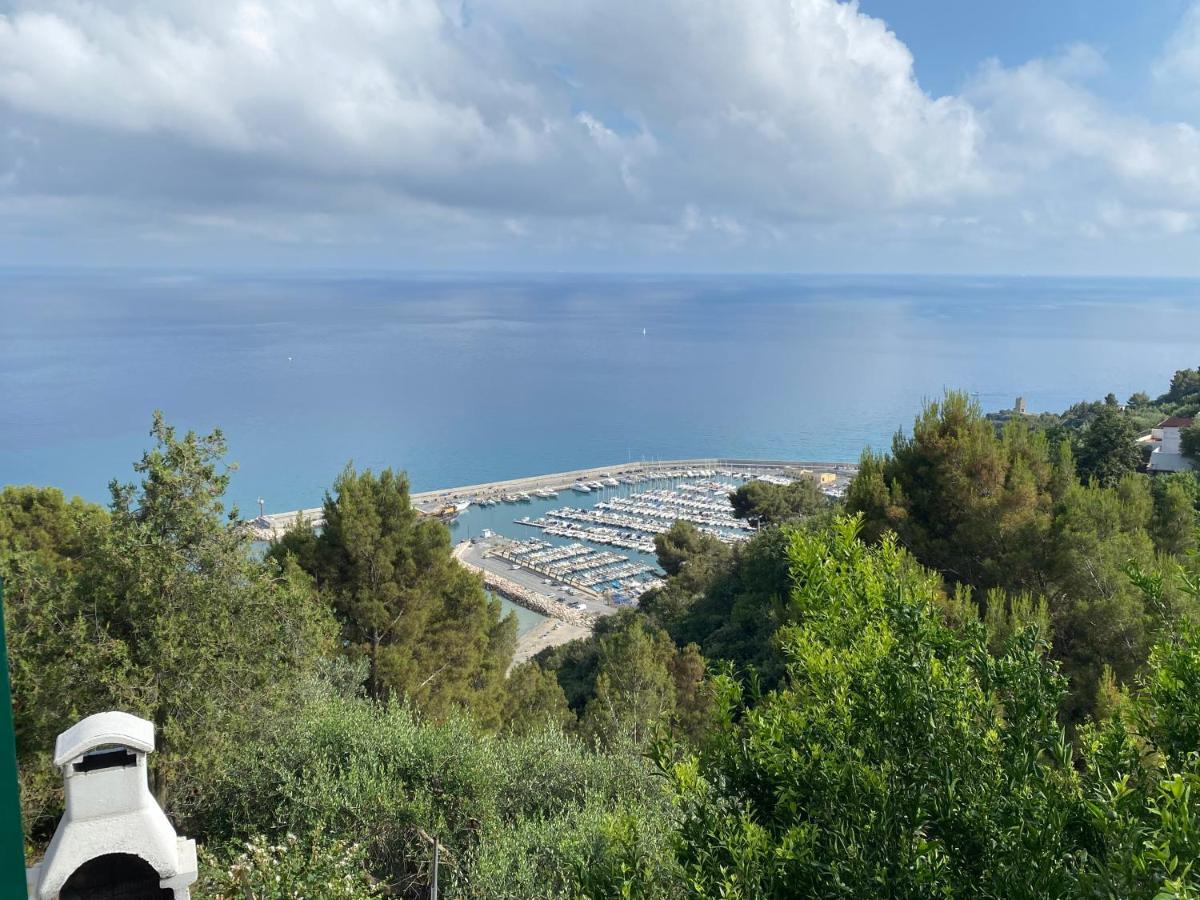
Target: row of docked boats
[
  {"x": 514, "y": 497},
  {"x": 581, "y": 566},
  {"x": 599, "y": 484},
  {"x": 632, "y": 522}
]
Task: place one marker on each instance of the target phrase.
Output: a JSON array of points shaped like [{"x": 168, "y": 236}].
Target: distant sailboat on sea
[{"x": 643, "y": 332}]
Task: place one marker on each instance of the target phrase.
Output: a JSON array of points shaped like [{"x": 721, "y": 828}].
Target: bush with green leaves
[
  {"x": 290, "y": 869},
  {"x": 156, "y": 608},
  {"x": 516, "y": 816},
  {"x": 899, "y": 758}
]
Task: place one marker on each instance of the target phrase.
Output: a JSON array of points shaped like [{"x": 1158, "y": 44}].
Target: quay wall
[
  {"x": 273, "y": 524},
  {"x": 523, "y": 596}
]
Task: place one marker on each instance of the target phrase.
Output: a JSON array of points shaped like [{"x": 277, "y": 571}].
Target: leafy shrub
[
  {"x": 516, "y": 816},
  {"x": 900, "y": 757},
  {"x": 288, "y": 870}
]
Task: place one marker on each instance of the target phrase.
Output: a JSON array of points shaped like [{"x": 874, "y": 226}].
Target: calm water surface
[{"x": 467, "y": 379}]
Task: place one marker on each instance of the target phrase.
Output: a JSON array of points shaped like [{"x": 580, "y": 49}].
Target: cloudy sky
[{"x": 672, "y": 135}]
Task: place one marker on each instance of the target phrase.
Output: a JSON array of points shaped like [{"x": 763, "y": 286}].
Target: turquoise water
[
  {"x": 505, "y": 519},
  {"x": 527, "y": 619},
  {"x": 468, "y": 379}
]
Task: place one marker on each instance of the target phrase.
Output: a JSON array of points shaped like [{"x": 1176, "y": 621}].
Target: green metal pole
[{"x": 12, "y": 837}]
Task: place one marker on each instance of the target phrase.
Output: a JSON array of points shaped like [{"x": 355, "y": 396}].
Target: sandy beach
[{"x": 550, "y": 633}]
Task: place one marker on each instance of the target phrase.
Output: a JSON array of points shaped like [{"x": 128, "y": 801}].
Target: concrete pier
[{"x": 272, "y": 525}]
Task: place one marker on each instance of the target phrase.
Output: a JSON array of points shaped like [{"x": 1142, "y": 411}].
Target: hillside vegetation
[{"x": 977, "y": 677}]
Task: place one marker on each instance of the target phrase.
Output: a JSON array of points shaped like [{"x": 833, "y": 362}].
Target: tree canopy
[
  {"x": 1189, "y": 442},
  {"x": 764, "y": 503},
  {"x": 162, "y": 612},
  {"x": 422, "y": 622},
  {"x": 1107, "y": 448},
  {"x": 904, "y": 756},
  {"x": 1007, "y": 510}
]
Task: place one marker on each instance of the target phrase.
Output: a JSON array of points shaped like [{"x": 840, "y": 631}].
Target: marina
[
  {"x": 632, "y": 522},
  {"x": 450, "y": 503},
  {"x": 594, "y": 548},
  {"x": 593, "y": 551},
  {"x": 576, "y": 565}
]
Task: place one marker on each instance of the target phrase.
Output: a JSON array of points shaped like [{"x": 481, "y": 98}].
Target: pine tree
[{"x": 423, "y": 623}]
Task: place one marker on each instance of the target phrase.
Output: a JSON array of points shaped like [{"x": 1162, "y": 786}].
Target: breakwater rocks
[{"x": 523, "y": 596}]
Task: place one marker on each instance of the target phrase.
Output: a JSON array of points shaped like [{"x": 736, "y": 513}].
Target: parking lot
[{"x": 476, "y": 555}]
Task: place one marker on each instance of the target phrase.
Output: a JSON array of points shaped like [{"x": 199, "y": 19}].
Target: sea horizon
[{"x": 463, "y": 378}]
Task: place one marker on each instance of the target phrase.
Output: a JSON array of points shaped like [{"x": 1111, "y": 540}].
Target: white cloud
[
  {"x": 734, "y": 125},
  {"x": 1179, "y": 64},
  {"x": 1061, "y": 148}
]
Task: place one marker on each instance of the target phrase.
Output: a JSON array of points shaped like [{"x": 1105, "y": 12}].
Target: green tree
[
  {"x": 1107, "y": 449},
  {"x": 989, "y": 510},
  {"x": 635, "y": 691},
  {"x": 972, "y": 505},
  {"x": 215, "y": 639},
  {"x": 1183, "y": 392},
  {"x": 425, "y": 626},
  {"x": 63, "y": 665},
  {"x": 684, "y": 544},
  {"x": 1100, "y": 617},
  {"x": 1141, "y": 773},
  {"x": 693, "y": 697},
  {"x": 42, "y": 522},
  {"x": 900, "y": 758},
  {"x": 534, "y": 699},
  {"x": 1189, "y": 442},
  {"x": 763, "y": 503},
  {"x": 735, "y": 616},
  {"x": 1174, "y": 524},
  {"x": 164, "y": 613}
]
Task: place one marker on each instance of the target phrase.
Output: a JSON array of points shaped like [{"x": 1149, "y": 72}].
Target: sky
[{"x": 1016, "y": 137}]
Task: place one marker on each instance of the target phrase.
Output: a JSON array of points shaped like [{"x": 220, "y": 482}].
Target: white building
[{"x": 1167, "y": 455}]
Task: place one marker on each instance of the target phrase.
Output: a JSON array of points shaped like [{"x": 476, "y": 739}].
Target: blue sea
[{"x": 460, "y": 379}]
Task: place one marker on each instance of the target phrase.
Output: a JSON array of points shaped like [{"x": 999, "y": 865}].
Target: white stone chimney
[{"x": 113, "y": 840}]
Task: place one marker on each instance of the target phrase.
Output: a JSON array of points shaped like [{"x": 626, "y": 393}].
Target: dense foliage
[
  {"x": 899, "y": 758},
  {"x": 135, "y": 613},
  {"x": 422, "y": 622},
  {"x": 1189, "y": 443},
  {"x": 289, "y": 870},
  {"x": 516, "y": 817},
  {"x": 764, "y": 503},
  {"x": 905, "y": 757},
  {"x": 1009, "y": 510},
  {"x": 982, "y": 682}
]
